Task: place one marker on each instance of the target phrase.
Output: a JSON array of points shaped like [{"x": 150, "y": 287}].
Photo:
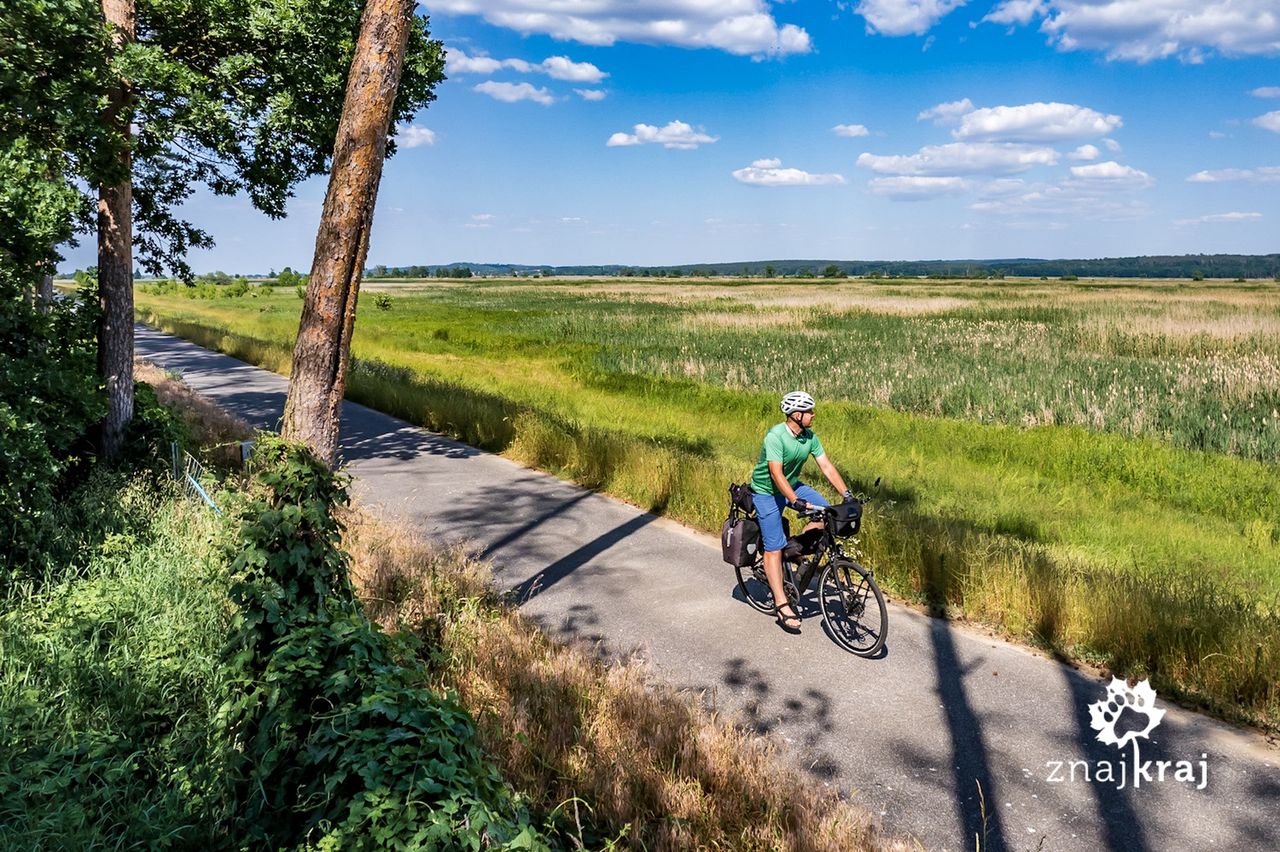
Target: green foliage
[
  {"x": 338, "y": 743},
  {"x": 382, "y": 301},
  {"x": 110, "y": 682},
  {"x": 49, "y": 399}
]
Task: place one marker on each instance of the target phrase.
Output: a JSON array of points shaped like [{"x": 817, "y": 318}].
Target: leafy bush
[
  {"x": 382, "y": 301},
  {"x": 49, "y": 399},
  {"x": 338, "y": 743}
]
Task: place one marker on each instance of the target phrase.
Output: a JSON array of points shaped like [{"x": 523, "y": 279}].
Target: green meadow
[{"x": 1089, "y": 465}]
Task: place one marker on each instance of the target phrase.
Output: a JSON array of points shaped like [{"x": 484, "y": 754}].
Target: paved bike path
[{"x": 949, "y": 735}]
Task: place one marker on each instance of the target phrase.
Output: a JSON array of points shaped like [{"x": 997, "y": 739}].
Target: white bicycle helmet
[{"x": 797, "y": 401}]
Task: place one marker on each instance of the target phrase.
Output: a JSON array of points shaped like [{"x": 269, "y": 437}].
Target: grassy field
[{"x": 1090, "y": 465}]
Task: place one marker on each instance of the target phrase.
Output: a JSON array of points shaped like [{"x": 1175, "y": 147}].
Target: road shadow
[
  {"x": 974, "y": 788},
  {"x": 807, "y": 715},
  {"x": 367, "y": 434},
  {"x": 567, "y": 564}
]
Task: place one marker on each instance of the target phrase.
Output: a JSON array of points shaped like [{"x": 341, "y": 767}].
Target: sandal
[{"x": 784, "y": 619}]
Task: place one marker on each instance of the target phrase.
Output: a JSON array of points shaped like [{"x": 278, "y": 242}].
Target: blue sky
[{"x": 682, "y": 131}]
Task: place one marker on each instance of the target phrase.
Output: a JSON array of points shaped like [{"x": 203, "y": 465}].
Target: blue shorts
[{"x": 769, "y": 513}]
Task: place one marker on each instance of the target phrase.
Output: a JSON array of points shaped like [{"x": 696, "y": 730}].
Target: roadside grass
[
  {"x": 110, "y": 682},
  {"x": 591, "y": 740},
  {"x": 1129, "y": 552}
]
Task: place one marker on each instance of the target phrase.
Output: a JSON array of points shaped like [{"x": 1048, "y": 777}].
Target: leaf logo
[{"x": 1104, "y": 714}]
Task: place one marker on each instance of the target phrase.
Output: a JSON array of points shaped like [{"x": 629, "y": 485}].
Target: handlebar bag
[
  {"x": 740, "y": 540},
  {"x": 846, "y": 518}
]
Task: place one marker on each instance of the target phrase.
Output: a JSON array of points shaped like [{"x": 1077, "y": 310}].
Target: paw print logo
[{"x": 1104, "y": 714}]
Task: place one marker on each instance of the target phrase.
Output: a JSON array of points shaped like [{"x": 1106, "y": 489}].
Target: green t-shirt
[{"x": 792, "y": 450}]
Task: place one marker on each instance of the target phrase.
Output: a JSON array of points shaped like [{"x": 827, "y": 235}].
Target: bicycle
[{"x": 852, "y": 604}]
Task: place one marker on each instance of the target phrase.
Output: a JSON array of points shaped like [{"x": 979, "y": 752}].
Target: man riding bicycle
[{"x": 775, "y": 483}]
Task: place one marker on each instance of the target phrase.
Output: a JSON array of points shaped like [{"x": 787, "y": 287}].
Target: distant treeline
[{"x": 1154, "y": 266}]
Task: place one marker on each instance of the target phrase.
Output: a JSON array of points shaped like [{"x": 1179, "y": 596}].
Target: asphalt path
[{"x": 951, "y": 735}]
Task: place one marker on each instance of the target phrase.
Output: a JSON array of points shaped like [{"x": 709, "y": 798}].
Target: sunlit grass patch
[{"x": 1064, "y": 471}]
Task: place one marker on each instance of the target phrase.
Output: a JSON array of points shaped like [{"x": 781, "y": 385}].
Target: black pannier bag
[
  {"x": 740, "y": 539},
  {"x": 846, "y": 518}
]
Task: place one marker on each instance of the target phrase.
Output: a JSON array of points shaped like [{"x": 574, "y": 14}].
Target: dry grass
[
  {"x": 214, "y": 430},
  {"x": 651, "y": 765}
]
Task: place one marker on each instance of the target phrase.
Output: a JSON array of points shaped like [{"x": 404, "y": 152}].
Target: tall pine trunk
[
  {"x": 115, "y": 255},
  {"x": 323, "y": 347}
]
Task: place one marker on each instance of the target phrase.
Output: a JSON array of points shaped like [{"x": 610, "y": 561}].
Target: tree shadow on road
[{"x": 974, "y": 788}]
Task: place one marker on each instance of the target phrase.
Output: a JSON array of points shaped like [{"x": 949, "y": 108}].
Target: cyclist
[{"x": 775, "y": 483}]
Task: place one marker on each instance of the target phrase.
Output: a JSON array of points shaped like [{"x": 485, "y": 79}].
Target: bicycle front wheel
[{"x": 853, "y": 607}]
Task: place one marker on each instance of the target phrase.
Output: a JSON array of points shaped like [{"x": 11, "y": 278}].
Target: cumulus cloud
[
  {"x": 513, "y": 92},
  {"x": 962, "y": 158},
  {"x": 556, "y": 67},
  {"x": 1112, "y": 174},
  {"x": 1266, "y": 92},
  {"x": 676, "y": 134},
  {"x": 411, "y": 136},
  {"x": 850, "y": 130},
  {"x": 1233, "y": 216},
  {"x": 1068, "y": 198},
  {"x": 591, "y": 94},
  {"x": 1036, "y": 122},
  {"x": 769, "y": 172},
  {"x": 904, "y": 17},
  {"x": 1016, "y": 12},
  {"x": 1145, "y": 31},
  {"x": 1269, "y": 121},
  {"x": 1264, "y": 174},
  {"x": 1085, "y": 152},
  {"x": 741, "y": 27},
  {"x": 917, "y": 188},
  {"x": 947, "y": 114}
]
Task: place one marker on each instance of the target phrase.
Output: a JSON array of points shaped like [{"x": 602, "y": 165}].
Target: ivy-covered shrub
[{"x": 340, "y": 744}]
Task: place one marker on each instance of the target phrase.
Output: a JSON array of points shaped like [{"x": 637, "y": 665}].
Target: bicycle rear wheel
[
  {"x": 755, "y": 587},
  {"x": 853, "y": 607}
]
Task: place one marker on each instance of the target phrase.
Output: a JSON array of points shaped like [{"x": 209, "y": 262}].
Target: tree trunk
[
  {"x": 44, "y": 292},
  {"x": 115, "y": 256},
  {"x": 323, "y": 347}
]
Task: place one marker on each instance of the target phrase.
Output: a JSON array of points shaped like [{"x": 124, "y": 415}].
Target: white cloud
[
  {"x": 458, "y": 62},
  {"x": 1085, "y": 152},
  {"x": 1217, "y": 134},
  {"x": 512, "y": 92},
  {"x": 556, "y": 67},
  {"x": 564, "y": 68},
  {"x": 916, "y": 188},
  {"x": 1068, "y": 198},
  {"x": 1112, "y": 174},
  {"x": 1112, "y": 145},
  {"x": 480, "y": 220},
  {"x": 1017, "y": 11},
  {"x": 1144, "y": 30},
  {"x": 769, "y": 172},
  {"x": 1233, "y": 216},
  {"x": 962, "y": 158},
  {"x": 1266, "y": 92},
  {"x": 676, "y": 134},
  {"x": 1269, "y": 121},
  {"x": 948, "y": 114},
  {"x": 904, "y": 17},
  {"x": 850, "y": 130},
  {"x": 742, "y": 27},
  {"x": 1264, "y": 174},
  {"x": 411, "y": 136},
  {"x": 591, "y": 94},
  {"x": 1037, "y": 122}
]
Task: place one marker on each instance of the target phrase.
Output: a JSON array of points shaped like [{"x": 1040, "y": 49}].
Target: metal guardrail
[{"x": 188, "y": 471}]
